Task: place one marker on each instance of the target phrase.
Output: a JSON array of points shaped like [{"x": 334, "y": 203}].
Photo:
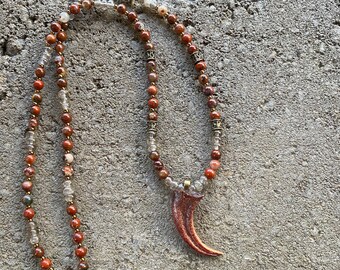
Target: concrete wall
[{"x": 275, "y": 203}]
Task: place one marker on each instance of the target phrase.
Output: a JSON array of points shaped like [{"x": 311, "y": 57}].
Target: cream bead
[
  {"x": 69, "y": 158},
  {"x": 162, "y": 10}
]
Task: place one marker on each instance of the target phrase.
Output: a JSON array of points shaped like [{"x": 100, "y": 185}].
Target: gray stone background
[{"x": 275, "y": 203}]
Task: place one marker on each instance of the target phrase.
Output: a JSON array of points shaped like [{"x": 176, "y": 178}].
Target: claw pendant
[{"x": 183, "y": 208}]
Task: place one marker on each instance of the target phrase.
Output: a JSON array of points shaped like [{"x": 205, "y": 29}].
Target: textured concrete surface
[{"x": 275, "y": 204}]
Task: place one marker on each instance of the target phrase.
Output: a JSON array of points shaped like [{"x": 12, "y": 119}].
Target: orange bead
[
  {"x": 51, "y": 39},
  {"x": 29, "y": 213},
  {"x": 179, "y": 28},
  {"x": 210, "y": 173},
  {"x": 30, "y": 159},
  {"x": 81, "y": 252},
  {"x": 38, "y": 85},
  {"x": 215, "y": 115},
  {"x": 45, "y": 263}
]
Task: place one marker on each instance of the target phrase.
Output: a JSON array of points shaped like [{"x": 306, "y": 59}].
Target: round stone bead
[
  {"x": 202, "y": 65},
  {"x": 38, "y": 84},
  {"x": 29, "y": 213},
  {"x": 55, "y": 27},
  {"x": 62, "y": 83},
  {"x": 75, "y": 8},
  {"x": 81, "y": 252},
  {"x": 210, "y": 173},
  {"x": 162, "y": 10},
  {"x": 212, "y": 103},
  {"x": 158, "y": 165},
  {"x": 40, "y": 72},
  {"x": 132, "y": 16},
  {"x": 138, "y": 26},
  {"x": 208, "y": 91},
  {"x": 192, "y": 48},
  {"x": 179, "y": 28},
  {"x": 66, "y": 118},
  {"x": 153, "y": 103},
  {"x": 68, "y": 145},
  {"x": 152, "y": 90},
  {"x": 35, "y": 110},
  {"x": 68, "y": 171},
  {"x": 87, "y": 4},
  {"x": 154, "y": 156},
  {"x": 39, "y": 252},
  {"x": 62, "y": 36},
  {"x": 37, "y": 98},
  {"x": 78, "y": 237},
  {"x": 186, "y": 38},
  {"x": 75, "y": 223},
  {"x": 27, "y": 200},
  {"x": 121, "y": 9},
  {"x": 64, "y": 17},
  {"x": 45, "y": 263},
  {"x": 69, "y": 158},
  {"x": 145, "y": 35},
  {"x": 59, "y": 47},
  {"x": 27, "y": 186},
  {"x": 203, "y": 79},
  {"x": 71, "y": 209},
  {"x": 153, "y": 77},
  {"x": 29, "y": 171},
  {"x": 153, "y": 116},
  {"x": 67, "y": 131},
  {"x": 215, "y": 154},
  {"x": 163, "y": 173},
  {"x": 30, "y": 159},
  {"x": 172, "y": 18},
  {"x": 215, "y": 164},
  {"x": 51, "y": 39},
  {"x": 215, "y": 115}
]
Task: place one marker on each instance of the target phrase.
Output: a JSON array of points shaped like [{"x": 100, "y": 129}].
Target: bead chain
[
  {"x": 58, "y": 36},
  {"x": 215, "y": 117}
]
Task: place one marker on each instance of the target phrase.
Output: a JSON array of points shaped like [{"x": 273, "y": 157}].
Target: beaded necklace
[{"x": 186, "y": 195}]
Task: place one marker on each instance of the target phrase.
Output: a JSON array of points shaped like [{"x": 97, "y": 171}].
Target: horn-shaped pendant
[{"x": 183, "y": 208}]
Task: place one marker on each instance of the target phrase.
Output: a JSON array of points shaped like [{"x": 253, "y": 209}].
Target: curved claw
[{"x": 183, "y": 207}]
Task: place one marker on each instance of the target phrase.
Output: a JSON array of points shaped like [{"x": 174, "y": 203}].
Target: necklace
[{"x": 186, "y": 195}]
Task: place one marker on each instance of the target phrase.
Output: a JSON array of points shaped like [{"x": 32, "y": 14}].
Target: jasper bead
[
  {"x": 83, "y": 265},
  {"x": 29, "y": 171},
  {"x": 29, "y": 213},
  {"x": 39, "y": 252},
  {"x": 27, "y": 186},
  {"x": 40, "y": 72},
  {"x": 30, "y": 159},
  {"x": 215, "y": 115},
  {"x": 186, "y": 38},
  {"x": 179, "y": 28},
  {"x": 202, "y": 65},
  {"x": 152, "y": 90},
  {"x": 163, "y": 173},
  {"x": 208, "y": 91},
  {"x": 192, "y": 48},
  {"x": 153, "y": 103},
  {"x": 68, "y": 145},
  {"x": 121, "y": 9},
  {"x": 67, "y": 131},
  {"x": 51, "y": 39},
  {"x": 153, "y": 77},
  {"x": 75, "y": 223},
  {"x": 215, "y": 164},
  {"x": 66, "y": 118},
  {"x": 210, "y": 173},
  {"x": 78, "y": 237},
  {"x": 71, "y": 209},
  {"x": 35, "y": 110},
  {"x": 27, "y": 200},
  {"x": 45, "y": 263},
  {"x": 59, "y": 47},
  {"x": 172, "y": 18},
  {"x": 132, "y": 16},
  {"x": 68, "y": 158},
  {"x": 37, "y": 98},
  {"x": 154, "y": 156},
  {"x": 38, "y": 85},
  {"x": 62, "y": 36},
  {"x": 216, "y": 154},
  {"x": 75, "y": 8},
  {"x": 212, "y": 103},
  {"x": 55, "y": 27},
  {"x": 145, "y": 35},
  {"x": 81, "y": 252}
]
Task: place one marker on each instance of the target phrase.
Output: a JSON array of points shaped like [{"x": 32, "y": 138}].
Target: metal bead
[
  {"x": 197, "y": 56},
  {"x": 150, "y": 55}
]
